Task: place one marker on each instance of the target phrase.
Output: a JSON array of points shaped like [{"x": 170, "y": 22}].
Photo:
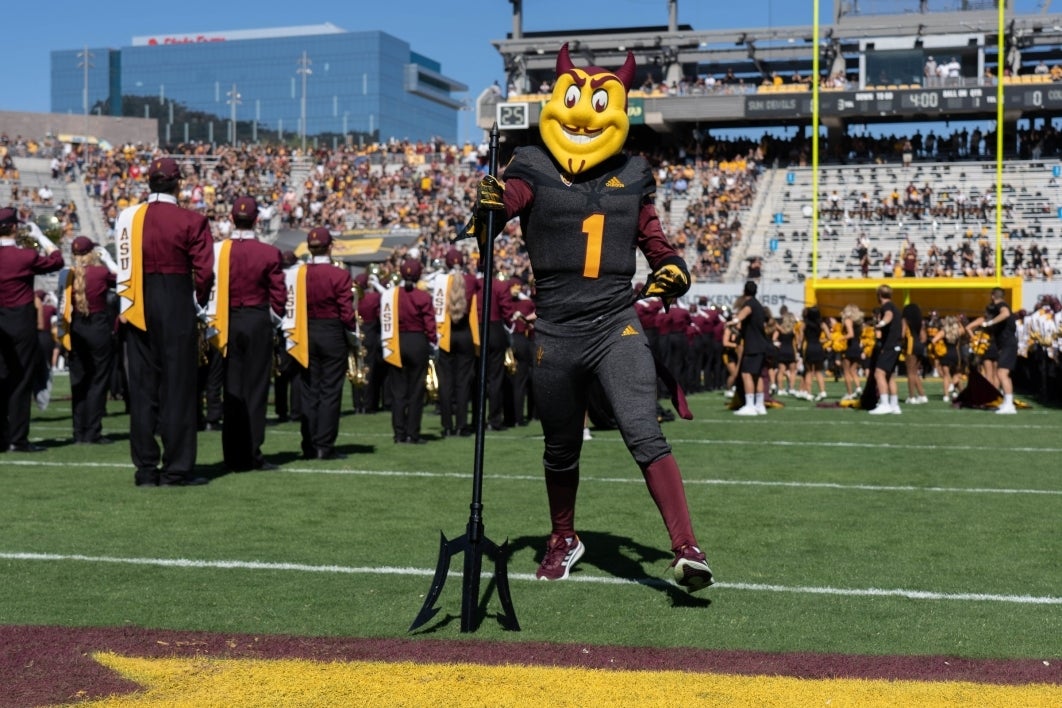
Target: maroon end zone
[{"x": 49, "y": 665}]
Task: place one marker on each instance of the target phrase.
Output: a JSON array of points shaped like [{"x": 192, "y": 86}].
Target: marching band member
[
  {"x": 88, "y": 334},
  {"x": 18, "y": 328},
  {"x": 319, "y": 313},
  {"x": 407, "y": 334},
  {"x": 455, "y": 294},
  {"x": 165, "y": 271},
  {"x": 523, "y": 337},
  {"x": 249, "y": 297}
]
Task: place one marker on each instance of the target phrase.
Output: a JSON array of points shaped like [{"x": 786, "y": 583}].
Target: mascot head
[{"x": 585, "y": 120}]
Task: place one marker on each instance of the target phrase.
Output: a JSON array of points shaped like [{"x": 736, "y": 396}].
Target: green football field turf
[{"x": 829, "y": 530}]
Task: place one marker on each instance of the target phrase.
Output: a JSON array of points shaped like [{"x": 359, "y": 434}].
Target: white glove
[
  {"x": 42, "y": 240},
  {"x": 105, "y": 257}
]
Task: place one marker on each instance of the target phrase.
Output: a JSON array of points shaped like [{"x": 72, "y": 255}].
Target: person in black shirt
[
  {"x": 750, "y": 319},
  {"x": 890, "y": 327},
  {"x": 998, "y": 320}
]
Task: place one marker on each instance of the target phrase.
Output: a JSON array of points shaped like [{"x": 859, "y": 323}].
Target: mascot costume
[{"x": 584, "y": 207}]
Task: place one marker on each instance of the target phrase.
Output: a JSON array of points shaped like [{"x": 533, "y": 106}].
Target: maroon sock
[
  {"x": 561, "y": 488},
  {"x": 665, "y": 486}
]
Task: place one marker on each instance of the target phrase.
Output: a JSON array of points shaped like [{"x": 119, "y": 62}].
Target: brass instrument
[
  {"x": 510, "y": 361},
  {"x": 26, "y": 238},
  {"x": 29, "y": 232},
  {"x": 357, "y": 371},
  {"x": 278, "y": 348},
  {"x": 431, "y": 382},
  {"x": 357, "y": 368},
  {"x": 204, "y": 344},
  {"x": 207, "y": 334}
]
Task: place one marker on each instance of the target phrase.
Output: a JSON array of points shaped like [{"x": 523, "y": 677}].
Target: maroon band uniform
[
  {"x": 416, "y": 335},
  {"x": 162, "y": 361},
  {"x": 19, "y": 347},
  {"x": 91, "y": 352},
  {"x": 330, "y": 309},
  {"x": 256, "y": 287}
]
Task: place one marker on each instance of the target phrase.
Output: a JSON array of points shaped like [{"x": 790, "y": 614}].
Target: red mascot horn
[
  {"x": 564, "y": 62},
  {"x": 626, "y": 72}
]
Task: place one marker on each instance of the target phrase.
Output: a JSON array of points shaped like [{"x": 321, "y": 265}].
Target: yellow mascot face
[{"x": 585, "y": 120}]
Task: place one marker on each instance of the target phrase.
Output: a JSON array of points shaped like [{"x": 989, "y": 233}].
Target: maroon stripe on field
[{"x": 48, "y": 665}]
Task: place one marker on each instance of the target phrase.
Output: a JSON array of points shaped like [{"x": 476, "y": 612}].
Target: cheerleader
[
  {"x": 814, "y": 353},
  {"x": 945, "y": 344},
  {"x": 784, "y": 342},
  {"x": 852, "y": 357},
  {"x": 914, "y": 343}
]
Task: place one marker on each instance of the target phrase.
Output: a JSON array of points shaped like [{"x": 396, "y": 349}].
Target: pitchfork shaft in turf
[{"x": 474, "y": 544}]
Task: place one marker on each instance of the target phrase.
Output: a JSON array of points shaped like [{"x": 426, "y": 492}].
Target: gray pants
[{"x": 616, "y": 353}]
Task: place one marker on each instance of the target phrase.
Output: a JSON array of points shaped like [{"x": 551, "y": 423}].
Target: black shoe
[
  {"x": 333, "y": 455},
  {"x": 101, "y": 440},
  {"x": 211, "y": 427},
  {"x": 416, "y": 441},
  {"x": 25, "y": 447},
  {"x": 448, "y": 432},
  {"x": 147, "y": 483},
  {"x": 499, "y": 427},
  {"x": 521, "y": 423},
  {"x": 266, "y": 466},
  {"x": 466, "y": 432},
  {"x": 184, "y": 482}
]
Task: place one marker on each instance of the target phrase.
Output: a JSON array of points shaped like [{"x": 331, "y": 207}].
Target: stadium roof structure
[{"x": 852, "y": 42}]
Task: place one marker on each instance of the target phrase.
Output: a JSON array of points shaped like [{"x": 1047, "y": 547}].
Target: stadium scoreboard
[{"x": 972, "y": 100}]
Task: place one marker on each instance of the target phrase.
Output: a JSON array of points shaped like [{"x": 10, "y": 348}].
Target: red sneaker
[
  {"x": 561, "y": 554},
  {"x": 690, "y": 569}
]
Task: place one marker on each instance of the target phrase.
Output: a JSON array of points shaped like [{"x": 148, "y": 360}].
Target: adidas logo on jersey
[
  {"x": 628, "y": 331},
  {"x": 614, "y": 182}
]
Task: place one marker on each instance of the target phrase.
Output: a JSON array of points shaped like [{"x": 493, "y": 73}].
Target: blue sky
[{"x": 457, "y": 33}]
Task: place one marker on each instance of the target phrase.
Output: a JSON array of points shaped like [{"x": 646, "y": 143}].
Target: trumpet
[{"x": 431, "y": 382}]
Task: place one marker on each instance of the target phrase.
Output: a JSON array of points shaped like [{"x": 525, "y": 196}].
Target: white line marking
[
  {"x": 606, "y": 480},
  {"x": 581, "y": 578},
  {"x": 870, "y": 446}
]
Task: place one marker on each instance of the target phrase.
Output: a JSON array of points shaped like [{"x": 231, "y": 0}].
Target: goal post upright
[{"x": 955, "y": 295}]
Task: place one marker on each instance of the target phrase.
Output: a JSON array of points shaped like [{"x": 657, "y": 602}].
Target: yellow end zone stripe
[{"x": 257, "y": 682}]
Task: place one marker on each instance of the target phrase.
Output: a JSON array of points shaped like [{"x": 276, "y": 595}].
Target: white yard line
[
  {"x": 633, "y": 479},
  {"x": 581, "y": 578}
]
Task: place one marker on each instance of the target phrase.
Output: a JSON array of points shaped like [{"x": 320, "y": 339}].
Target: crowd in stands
[
  {"x": 428, "y": 186},
  {"x": 424, "y": 186}
]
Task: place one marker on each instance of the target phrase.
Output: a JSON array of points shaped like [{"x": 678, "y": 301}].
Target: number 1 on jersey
[{"x": 594, "y": 228}]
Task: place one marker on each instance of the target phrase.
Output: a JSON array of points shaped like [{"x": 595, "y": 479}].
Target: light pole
[
  {"x": 85, "y": 63},
  {"x": 304, "y": 71},
  {"x": 234, "y": 100}
]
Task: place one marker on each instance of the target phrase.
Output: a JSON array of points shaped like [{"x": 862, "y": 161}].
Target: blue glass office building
[{"x": 361, "y": 85}]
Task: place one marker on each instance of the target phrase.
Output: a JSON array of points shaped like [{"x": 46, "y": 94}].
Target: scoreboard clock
[
  {"x": 513, "y": 116},
  {"x": 974, "y": 100}
]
